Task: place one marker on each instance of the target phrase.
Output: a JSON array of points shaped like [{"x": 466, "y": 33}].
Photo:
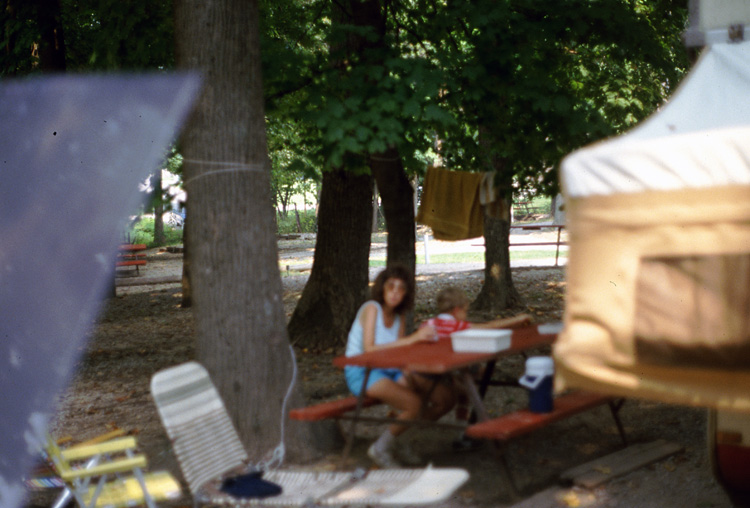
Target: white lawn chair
[{"x": 208, "y": 448}]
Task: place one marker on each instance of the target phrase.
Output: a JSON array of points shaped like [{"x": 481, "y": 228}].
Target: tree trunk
[
  {"x": 498, "y": 292},
  {"x": 397, "y": 196},
  {"x": 158, "y": 211},
  {"x": 340, "y": 273},
  {"x": 296, "y": 216},
  {"x": 187, "y": 288},
  {"x": 375, "y": 209},
  {"x": 237, "y": 295},
  {"x": 52, "y": 42}
]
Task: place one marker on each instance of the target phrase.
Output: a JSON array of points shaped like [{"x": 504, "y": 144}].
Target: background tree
[
  {"x": 158, "y": 204},
  {"x": 240, "y": 322},
  {"x": 508, "y": 86},
  {"x": 358, "y": 101},
  {"x": 531, "y": 81},
  {"x": 34, "y": 37},
  {"x": 339, "y": 275}
]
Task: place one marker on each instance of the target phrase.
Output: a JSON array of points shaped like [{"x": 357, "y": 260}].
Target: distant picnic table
[{"x": 130, "y": 254}]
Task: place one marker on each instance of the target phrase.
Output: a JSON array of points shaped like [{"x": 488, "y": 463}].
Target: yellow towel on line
[{"x": 450, "y": 204}]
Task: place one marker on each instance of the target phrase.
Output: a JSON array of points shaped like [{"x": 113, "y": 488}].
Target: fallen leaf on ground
[
  {"x": 467, "y": 494},
  {"x": 571, "y": 499},
  {"x": 588, "y": 448}
]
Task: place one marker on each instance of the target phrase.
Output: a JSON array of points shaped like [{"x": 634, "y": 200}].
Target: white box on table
[{"x": 481, "y": 340}]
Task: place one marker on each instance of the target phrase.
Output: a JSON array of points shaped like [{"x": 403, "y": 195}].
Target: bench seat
[
  {"x": 132, "y": 262},
  {"x": 330, "y": 409},
  {"x": 127, "y": 257},
  {"x": 521, "y": 422}
]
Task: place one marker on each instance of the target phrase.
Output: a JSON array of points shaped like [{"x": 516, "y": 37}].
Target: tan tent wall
[{"x": 634, "y": 262}]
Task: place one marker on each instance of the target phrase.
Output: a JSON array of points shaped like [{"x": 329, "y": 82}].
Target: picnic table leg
[
  {"x": 614, "y": 407},
  {"x": 474, "y": 396},
  {"x": 506, "y": 476},
  {"x": 489, "y": 370},
  {"x": 484, "y": 383},
  {"x": 349, "y": 437}
]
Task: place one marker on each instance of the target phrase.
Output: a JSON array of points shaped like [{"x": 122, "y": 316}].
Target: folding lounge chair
[
  {"x": 110, "y": 474},
  {"x": 44, "y": 476},
  {"x": 208, "y": 448}
]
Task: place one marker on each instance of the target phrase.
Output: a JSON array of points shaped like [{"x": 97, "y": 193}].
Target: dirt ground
[{"x": 144, "y": 329}]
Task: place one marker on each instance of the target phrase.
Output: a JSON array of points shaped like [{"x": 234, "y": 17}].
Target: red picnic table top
[
  {"x": 438, "y": 357},
  {"x": 130, "y": 247}
]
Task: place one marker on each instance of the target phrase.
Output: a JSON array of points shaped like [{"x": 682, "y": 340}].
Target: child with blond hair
[{"x": 453, "y": 309}]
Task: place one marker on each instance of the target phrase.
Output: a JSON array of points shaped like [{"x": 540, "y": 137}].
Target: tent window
[{"x": 693, "y": 311}]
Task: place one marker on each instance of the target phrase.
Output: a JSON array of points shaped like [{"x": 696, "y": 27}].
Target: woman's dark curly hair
[{"x": 395, "y": 271}]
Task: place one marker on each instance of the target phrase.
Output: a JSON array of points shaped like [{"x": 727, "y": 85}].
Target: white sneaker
[
  {"x": 383, "y": 458},
  {"x": 408, "y": 456}
]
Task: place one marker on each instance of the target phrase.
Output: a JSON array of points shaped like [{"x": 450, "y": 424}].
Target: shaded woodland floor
[{"x": 144, "y": 329}]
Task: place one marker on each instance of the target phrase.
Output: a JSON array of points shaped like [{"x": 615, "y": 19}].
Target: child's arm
[
  {"x": 511, "y": 322},
  {"x": 425, "y": 333}
]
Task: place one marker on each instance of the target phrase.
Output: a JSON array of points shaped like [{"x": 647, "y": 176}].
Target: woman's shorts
[{"x": 355, "y": 376}]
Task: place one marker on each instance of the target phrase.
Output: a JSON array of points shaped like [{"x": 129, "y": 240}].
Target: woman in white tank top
[{"x": 380, "y": 324}]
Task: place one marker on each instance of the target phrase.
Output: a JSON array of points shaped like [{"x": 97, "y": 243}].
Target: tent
[{"x": 658, "y": 302}]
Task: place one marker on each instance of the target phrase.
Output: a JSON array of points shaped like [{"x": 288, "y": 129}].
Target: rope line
[{"x": 223, "y": 167}]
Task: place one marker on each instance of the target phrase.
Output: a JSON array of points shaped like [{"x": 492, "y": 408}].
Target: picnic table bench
[
  {"x": 518, "y": 423},
  {"x": 332, "y": 409},
  {"x": 503, "y": 428}
]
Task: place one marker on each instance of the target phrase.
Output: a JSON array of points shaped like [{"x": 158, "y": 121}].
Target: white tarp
[{"x": 699, "y": 139}]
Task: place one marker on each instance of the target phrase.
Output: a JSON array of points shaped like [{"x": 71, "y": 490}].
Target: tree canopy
[
  {"x": 351, "y": 85},
  {"x": 509, "y": 86},
  {"x": 97, "y": 34},
  {"x": 543, "y": 77}
]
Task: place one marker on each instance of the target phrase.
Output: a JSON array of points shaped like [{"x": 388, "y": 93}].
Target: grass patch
[
  {"x": 143, "y": 232},
  {"x": 476, "y": 257}
]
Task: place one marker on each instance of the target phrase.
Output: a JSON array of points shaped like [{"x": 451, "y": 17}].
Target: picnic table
[
  {"x": 435, "y": 358},
  {"x": 130, "y": 254},
  {"x": 439, "y": 359}
]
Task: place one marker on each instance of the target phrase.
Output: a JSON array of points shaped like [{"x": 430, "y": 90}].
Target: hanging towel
[{"x": 450, "y": 204}]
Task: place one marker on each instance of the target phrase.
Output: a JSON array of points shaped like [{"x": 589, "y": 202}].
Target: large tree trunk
[
  {"x": 340, "y": 273},
  {"x": 237, "y": 295}
]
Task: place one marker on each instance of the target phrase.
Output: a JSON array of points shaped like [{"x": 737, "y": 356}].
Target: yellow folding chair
[{"x": 110, "y": 474}]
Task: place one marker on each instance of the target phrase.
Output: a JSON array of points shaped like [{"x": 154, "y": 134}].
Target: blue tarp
[{"x": 72, "y": 152}]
